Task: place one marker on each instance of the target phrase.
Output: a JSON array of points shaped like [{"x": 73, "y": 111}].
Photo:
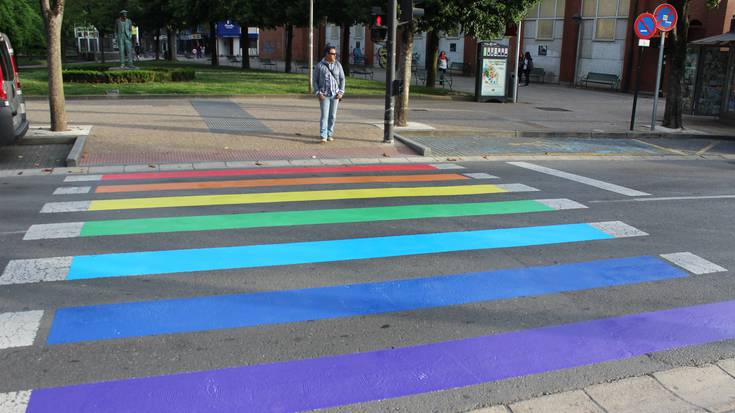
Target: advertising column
[{"x": 490, "y": 81}]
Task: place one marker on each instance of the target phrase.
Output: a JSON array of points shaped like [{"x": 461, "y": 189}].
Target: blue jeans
[{"x": 328, "y": 108}]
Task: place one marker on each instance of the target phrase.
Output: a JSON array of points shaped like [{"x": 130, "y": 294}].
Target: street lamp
[{"x": 311, "y": 45}]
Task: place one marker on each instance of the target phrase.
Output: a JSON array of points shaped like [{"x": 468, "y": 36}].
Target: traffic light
[
  {"x": 418, "y": 11},
  {"x": 378, "y": 29}
]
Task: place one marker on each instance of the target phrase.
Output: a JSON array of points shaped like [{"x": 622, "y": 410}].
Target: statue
[{"x": 124, "y": 31}]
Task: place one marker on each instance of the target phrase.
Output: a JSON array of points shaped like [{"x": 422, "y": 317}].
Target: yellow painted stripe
[{"x": 300, "y": 196}]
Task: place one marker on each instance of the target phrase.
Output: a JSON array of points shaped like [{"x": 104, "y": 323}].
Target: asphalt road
[{"x": 690, "y": 207}]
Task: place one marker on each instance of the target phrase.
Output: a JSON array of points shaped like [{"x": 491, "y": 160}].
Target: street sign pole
[
  {"x": 666, "y": 18},
  {"x": 390, "y": 72},
  {"x": 311, "y": 45},
  {"x": 641, "y": 49},
  {"x": 658, "y": 80},
  {"x": 519, "y": 33},
  {"x": 645, "y": 28}
]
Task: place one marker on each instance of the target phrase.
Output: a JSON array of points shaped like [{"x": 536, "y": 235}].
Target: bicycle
[{"x": 382, "y": 57}]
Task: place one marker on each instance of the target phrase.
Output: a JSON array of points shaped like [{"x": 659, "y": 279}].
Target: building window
[
  {"x": 546, "y": 13},
  {"x": 452, "y": 47},
  {"x": 605, "y": 15},
  {"x": 545, "y": 30}
]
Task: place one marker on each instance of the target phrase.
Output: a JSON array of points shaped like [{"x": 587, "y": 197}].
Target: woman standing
[
  {"x": 527, "y": 67},
  {"x": 442, "y": 65}
]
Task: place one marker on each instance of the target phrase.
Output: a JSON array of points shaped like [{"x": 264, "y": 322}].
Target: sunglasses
[{"x": 332, "y": 54}]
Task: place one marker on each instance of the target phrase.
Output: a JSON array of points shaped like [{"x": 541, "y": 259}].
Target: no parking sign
[
  {"x": 666, "y": 17},
  {"x": 645, "y": 26}
]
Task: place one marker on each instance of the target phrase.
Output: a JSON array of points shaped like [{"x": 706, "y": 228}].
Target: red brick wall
[
  {"x": 273, "y": 44},
  {"x": 570, "y": 40}
]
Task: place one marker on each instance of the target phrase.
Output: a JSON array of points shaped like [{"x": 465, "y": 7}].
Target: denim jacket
[{"x": 322, "y": 74}]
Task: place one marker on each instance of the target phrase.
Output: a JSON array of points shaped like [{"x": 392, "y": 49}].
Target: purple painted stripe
[{"x": 353, "y": 378}]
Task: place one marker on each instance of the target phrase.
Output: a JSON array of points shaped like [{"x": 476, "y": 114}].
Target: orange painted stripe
[{"x": 252, "y": 183}]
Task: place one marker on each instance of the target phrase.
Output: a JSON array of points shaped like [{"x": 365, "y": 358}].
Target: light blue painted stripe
[
  {"x": 113, "y": 321},
  {"x": 251, "y": 256}
]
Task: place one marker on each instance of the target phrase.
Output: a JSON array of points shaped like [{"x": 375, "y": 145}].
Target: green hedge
[{"x": 128, "y": 76}]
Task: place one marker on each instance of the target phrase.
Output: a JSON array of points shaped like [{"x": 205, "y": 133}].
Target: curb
[
  {"x": 257, "y": 96},
  {"x": 419, "y": 148},
  {"x": 509, "y": 134},
  {"x": 76, "y": 151},
  {"x": 99, "y": 169},
  {"x": 75, "y": 137}
]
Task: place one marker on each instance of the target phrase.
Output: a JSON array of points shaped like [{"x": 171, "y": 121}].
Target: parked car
[{"x": 13, "y": 120}]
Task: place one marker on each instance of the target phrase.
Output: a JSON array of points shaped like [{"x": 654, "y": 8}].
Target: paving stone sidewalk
[
  {"x": 709, "y": 388},
  {"x": 175, "y": 130}
]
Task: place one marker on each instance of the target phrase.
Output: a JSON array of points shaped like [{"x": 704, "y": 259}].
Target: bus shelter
[{"x": 709, "y": 77}]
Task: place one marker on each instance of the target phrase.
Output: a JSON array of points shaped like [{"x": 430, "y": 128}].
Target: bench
[
  {"x": 302, "y": 66},
  {"x": 602, "y": 78},
  {"x": 362, "y": 71},
  {"x": 538, "y": 73},
  {"x": 456, "y": 68},
  {"x": 419, "y": 75},
  {"x": 268, "y": 64}
]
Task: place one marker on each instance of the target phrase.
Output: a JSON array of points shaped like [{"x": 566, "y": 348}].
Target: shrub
[{"x": 128, "y": 76}]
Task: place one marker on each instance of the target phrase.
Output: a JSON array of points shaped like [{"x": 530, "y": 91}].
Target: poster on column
[{"x": 493, "y": 77}]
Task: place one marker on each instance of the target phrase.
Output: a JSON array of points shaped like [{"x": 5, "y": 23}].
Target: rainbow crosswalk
[{"x": 293, "y": 199}]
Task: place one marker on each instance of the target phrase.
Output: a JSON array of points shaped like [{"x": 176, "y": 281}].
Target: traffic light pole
[
  {"x": 390, "y": 71},
  {"x": 311, "y": 45}
]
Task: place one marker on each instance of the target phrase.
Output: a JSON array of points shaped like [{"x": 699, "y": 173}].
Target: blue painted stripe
[
  {"x": 106, "y": 322},
  {"x": 208, "y": 259}
]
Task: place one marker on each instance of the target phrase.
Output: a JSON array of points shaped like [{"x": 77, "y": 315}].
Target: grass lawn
[{"x": 211, "y": 81}]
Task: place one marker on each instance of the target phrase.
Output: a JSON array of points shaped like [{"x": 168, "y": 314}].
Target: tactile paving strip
[{"x": 225, "y": 116}]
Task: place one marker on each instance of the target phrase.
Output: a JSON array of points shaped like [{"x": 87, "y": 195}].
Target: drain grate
[
  {"x": 553, "y": 109},
  {"x": 227, "y": 117}
]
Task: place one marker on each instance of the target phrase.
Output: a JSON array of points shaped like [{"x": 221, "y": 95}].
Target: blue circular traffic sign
[
  {"x": 645, "y": 26},
  {"x": 666, "y": 17}
]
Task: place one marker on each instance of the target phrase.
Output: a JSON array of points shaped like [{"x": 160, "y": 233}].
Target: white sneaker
[
  {"x": 330, "y": 139},
  {"x": 324, "y": 140}
]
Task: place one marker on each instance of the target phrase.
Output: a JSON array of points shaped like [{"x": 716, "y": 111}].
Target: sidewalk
[
  {"x": 709, "y": 388},
  {"x": 161, "y": 131}
]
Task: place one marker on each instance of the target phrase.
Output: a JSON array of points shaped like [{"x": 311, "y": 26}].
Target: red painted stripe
[{"x": 269, "y": 171}]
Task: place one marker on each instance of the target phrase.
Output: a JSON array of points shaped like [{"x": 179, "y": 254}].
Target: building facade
[{"x": 566, "y": 38}]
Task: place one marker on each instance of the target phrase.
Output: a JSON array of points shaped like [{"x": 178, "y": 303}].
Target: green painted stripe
[{"x": 289, "y": 218}]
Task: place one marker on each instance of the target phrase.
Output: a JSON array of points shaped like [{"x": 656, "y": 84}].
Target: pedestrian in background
[
  {"x": 329, "y": 84},
  {"x": 527, "y": 67},
  {"x": 443, "y": 66}
]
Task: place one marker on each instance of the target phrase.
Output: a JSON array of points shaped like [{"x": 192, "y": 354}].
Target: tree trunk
[
  {"x": 432, "y": 57},
  {"x": 245, "y": 46},
  {"x": 344, "y": 40},
  {"x": 102, "y": 45},
  {"x": 404, "y": 62},
  {"x": 158, "y": 44},
  {"x": 289, "y": 45},
  {"x": 53, "y": 18},
  {"x": 677, "y": 52},
  {"x": 171, "y": 45},
  {"x": 213, "y": 43}
]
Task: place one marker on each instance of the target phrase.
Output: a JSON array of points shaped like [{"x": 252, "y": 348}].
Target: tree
[
  {"x": 345, "y": 14},
  {"x": 437, "y": 19},
  {"x": 194, "y": 12},
  {"x": 153, "y": 15},
  {"x": 243, "y": 12},
  {"x": 677, "y": 51},
  {"x": 53, "y": 17},
  {"x": 478, "y": 18},
  {"x": 22, "y": 22},
  {"x": 99, "y": 13},
  {"x": 405, "y": 60},
  {"x": 284, "y": 13}
]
